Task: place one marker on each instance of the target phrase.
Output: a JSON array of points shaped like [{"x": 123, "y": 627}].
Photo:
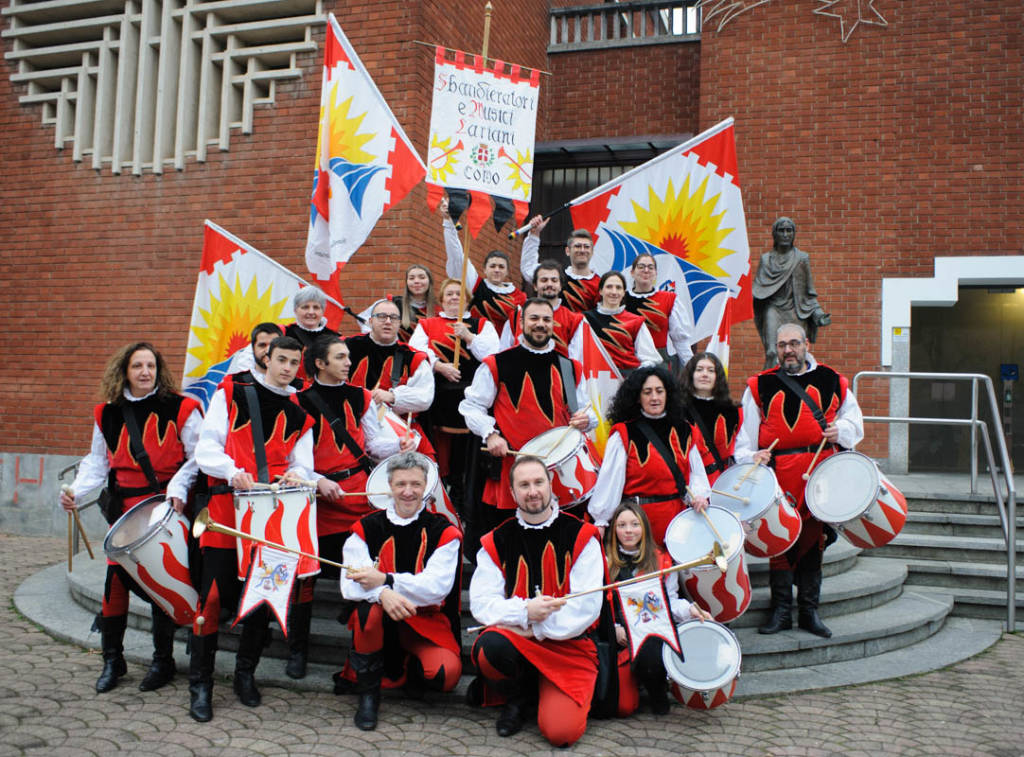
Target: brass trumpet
[{"x": 203, "y": 521}]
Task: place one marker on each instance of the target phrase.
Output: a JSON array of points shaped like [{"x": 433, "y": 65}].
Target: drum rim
[
  {"x": 835, "y": 518},
  {"x": 428, "y": 494},
  {"x": 133, "y": 546},
  {"x": 670, "y": 658},
  {"x": 580, "y": 438},
  {"x": 728, "y": 557},
  {"x": 280, "y": 490}
]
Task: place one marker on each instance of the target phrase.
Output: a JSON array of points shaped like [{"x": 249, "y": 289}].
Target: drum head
[
  {"x": 555, "y": 446},
  {"x": 760, "y": 489},
  {"x": 688, "y": 537},
  {"x": 842, "y": 487},
  {"x": 377, "y": 483},
  {"x": 136, "y": 526},
  {"x": 712, "y": 655}
]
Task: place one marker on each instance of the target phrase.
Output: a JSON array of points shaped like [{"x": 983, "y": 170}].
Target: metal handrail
[{"x": 1007, "y": 509}]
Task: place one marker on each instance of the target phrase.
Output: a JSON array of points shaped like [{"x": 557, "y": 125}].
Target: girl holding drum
[
  {"x": 712, "y": 412},
  {"x": 142, "y": 408},
  {"x": 650, "y": 456},
  {"x": 630, "y": 552}
]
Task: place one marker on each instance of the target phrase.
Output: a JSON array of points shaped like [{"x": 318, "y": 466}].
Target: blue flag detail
[
  {"x": 356, "y": 177},
  {"x": 702, "y": 286},
  {"x": 203, "y": 389}
]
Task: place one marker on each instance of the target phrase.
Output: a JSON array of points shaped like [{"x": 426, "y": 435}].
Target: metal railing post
[{"x": 974, "y": 436}]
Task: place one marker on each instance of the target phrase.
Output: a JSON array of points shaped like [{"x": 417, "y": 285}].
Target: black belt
[
  {"x": 342, "y": 475},
  {"x": 221, "y": 489},
  {"x": 715, "y": 467},
  {"x": 800, "y": 450},
  {"x": 651, "y": 500},
  {"x": 138, "y": 491}
]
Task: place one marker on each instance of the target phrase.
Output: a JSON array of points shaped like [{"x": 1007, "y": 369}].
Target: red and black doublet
[
  {"x": 448, "y": 394},
  {"x": 333, "y": 453},
  {"x": 160, "y": 421},
  {"x": 784, "y": 416},
  {"x": 530, "y": 399},
  {"x": 655, "y": 308},
  {"x": 496, "y": 307},
  {"x": 539, "y": 560},
  {"x": 378, "y": 366},
  {"x": 722, "y": 420},
  {"x": 563, "y": 328},
  {"x": 649, "y": 478},
  {"x": 618, "y": 336},
  {"x": 581, "y": 295}
]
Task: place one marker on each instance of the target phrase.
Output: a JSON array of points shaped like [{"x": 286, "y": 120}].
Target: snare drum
[
  {"x": 286, "y": 516},
  {"x": 569, "y": 456},
  {"x": 150, "y": 542},
  {"x": 773, "y": 524},
  {"x": 849, "y": 492},
  {"x": 689, "y": 537},
  {"x": 707, "y": 677}
]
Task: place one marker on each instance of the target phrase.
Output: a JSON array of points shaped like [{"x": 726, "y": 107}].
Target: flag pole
[{"x": 466, "y": 239}]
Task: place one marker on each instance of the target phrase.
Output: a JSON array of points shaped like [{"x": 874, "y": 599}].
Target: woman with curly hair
[
  {"x": 715, "y": 417},
  {"x": 629, "y": 552},
  {"x": 650, "y": 456},
  {"x": 138, "y": 391}
]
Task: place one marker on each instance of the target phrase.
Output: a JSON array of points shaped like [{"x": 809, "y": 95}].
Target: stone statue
[{"x": 784, "y": 291}]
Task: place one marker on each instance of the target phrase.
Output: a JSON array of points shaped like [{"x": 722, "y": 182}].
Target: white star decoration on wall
[
  {"x": 727, "y": 9},
  {"x": 851, "y": 13}
]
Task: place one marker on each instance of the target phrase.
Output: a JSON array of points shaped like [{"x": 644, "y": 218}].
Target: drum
[
  {"x": 285, "y": 516},
  {"x": 150, "y": 541},
  {"x": 689, "y": 537},
  {"x": 437, "y": 498},
  {"x": 772, "y": 523},
  {"x": 850, "y": 493},
  {"x": 573, "y": 464},
  {"x": 707, "y": 676}
]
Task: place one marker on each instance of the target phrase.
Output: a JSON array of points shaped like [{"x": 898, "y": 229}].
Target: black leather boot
[
  {"x": 808, "y": 593},
  {"x": 112, "y": 640},
  {"x": 250, "y": 649},
  {"x": 368, "y": 668},
  {"x": 162, "y": 669},
  {"x": 781, "y": 584},
  {"x": 513, "y": 713},
  {"x": 203, "y": 653},
  {"x": 299, "y": 618}
]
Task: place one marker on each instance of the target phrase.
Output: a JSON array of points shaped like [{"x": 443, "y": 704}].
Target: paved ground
[{"x": 48, "y": 706}]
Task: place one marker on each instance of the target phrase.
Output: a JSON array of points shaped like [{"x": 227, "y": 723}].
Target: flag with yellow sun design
[
  {"x": 364, "y": 164},
  {"x": 685, "y": 208},
  {"x": 238, "y": 287}
]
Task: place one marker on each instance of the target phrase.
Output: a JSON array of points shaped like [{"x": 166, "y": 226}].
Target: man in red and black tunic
[
  {"x": 518, "y": 394},
  {"x": 772, "y": 410},
  {"x": 346, "y": 435},
  {"x": 395, "y": 374},
  {"x": 536, "y": 647},
  {"x": 260, "y": 338},
  {"x": 138, "y": 389},
  {"x": 405, "y": 583},
  {"x": 580, "y": 290},
  {"x": 233, "y": 458},
  {"x": 566, "y": 331}
]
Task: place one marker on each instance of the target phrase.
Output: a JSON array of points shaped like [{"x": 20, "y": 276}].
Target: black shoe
[
  {"x": 809, "y": 621},
  {"x": 201, "y": 702},
  {"x": 781, "y": 620},
  {"x": 658, "y": 693},
  {"x": 296, "y": 667},
  {"x": 366, "y": 710},
  {"x": 245, "y": 688},
  {"x": 510, "y": 721},
  {"x": 342, "y": 685},
  {"x": 113, "y": 669},
  {"x": 160, "y": 673}
]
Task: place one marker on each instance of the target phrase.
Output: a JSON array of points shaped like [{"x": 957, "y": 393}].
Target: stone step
[
  {"x": 911, "y": 617},
  {"x": 965, "y": 505},
  {"x": 976, "y": 603},
  {"x": 955, "y": 548},
  {"x": 957, "y": 524},
  {"x": 961, "y": 575}
]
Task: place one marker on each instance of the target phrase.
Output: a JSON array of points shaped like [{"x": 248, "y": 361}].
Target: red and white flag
[
  {"x": 365, "y": 163},
  {"x": 685, "y": 208},
  {"x": 271, "y": 577},
  {"x": 647, "y": 613},
  {"x": 603, "y": 381}
]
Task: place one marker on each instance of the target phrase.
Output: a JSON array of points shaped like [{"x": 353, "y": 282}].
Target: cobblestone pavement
[{"x": 48, "y": 706}]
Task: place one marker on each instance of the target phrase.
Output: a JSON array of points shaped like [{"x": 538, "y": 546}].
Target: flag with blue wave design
[{"x": 685, "y": 208}]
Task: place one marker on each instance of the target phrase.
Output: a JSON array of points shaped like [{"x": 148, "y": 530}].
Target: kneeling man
[
  {"x": 536, "y": 647},
  {"x": 405, "y": 581}
]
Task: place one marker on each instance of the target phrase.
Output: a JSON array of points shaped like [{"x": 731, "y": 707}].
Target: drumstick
[
  {"x": 71, "y": 533},
  {"x": 807, "y": 473},
  {"x": 510, "y": 452},
  {"x": 78, "y": 523},
  {"x": 753, "y": 467},
  {"x": 744, "y": 500}
]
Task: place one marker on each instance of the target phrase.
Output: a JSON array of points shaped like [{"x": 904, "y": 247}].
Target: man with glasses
[
  {"x": 666, "y": 314},
  {"x": 795, "y": 405}
]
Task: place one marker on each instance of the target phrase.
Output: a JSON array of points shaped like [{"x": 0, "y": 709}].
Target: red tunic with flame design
[
  {"x": 655, "y": 308},
  {"x": 530, "y": 401},
  {"x": 496, "y": 307},
  {"x": 331, "y": 456},
  {"x": 618, "y": 336},
  {"x": 160, "y": 421},
  {"x": 581, "y": 295},
  {"x": 722, "y": 421},
  {"x": 540, "y": 560},
  {"x": 406, "y": 549}
]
